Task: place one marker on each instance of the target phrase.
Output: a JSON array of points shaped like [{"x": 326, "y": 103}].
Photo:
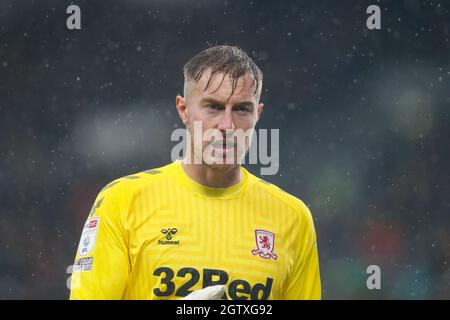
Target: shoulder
[
  {"x": 137, "y": 180},
  {"x": 118, "y": 192},
  {"x": 302, "y": 218},
  {"x": 293, "y": 202}
]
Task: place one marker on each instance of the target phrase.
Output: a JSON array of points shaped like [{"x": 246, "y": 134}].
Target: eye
[
  {"x": 214, "y": 107},
  {"x": 242, "y": 109}
]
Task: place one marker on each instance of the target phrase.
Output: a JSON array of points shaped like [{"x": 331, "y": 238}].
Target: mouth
[{"x": 223, "y": 146}]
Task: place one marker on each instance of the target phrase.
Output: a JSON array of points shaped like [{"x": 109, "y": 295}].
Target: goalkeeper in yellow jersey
[{"x": 203, "y": 222}]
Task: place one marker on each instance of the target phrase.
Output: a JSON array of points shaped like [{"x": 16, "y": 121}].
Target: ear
[
  {"x": 260, "y": 110},
  {"x": 181, "y": 106}
]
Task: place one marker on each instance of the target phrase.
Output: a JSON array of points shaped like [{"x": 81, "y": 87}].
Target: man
[{"x": 204, "y": 221}]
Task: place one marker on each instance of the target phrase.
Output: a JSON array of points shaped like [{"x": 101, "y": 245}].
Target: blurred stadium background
[{"x": 364, "y": 118}]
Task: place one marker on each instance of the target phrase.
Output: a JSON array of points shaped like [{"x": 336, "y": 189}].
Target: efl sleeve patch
[{"x": 88, "y": 236}]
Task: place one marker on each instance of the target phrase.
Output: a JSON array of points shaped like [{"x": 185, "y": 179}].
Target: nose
[{"x": 226, "y": 121}]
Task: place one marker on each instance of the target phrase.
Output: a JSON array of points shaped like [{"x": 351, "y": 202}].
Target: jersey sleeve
[
  {"x": 101, "y": 269},
  {"x": 304, "y": 281}
]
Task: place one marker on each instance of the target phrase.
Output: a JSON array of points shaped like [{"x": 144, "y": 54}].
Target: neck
[{"x": 213, "y": 177}]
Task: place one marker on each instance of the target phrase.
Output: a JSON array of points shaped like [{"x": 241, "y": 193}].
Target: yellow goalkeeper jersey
[{"x": 159, "y": 234}]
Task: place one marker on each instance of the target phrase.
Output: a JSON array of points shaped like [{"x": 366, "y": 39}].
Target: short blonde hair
[{"x": 229, "y": 60}]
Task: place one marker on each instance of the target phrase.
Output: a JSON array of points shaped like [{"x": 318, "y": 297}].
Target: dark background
[{"x": 364, "y": 119}]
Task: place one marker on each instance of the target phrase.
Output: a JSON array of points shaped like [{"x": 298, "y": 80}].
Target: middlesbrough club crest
[{"x": 265, "y": 242}]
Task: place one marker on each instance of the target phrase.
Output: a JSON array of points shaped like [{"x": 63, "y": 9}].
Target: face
[{"x": 227, "y": 123}]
